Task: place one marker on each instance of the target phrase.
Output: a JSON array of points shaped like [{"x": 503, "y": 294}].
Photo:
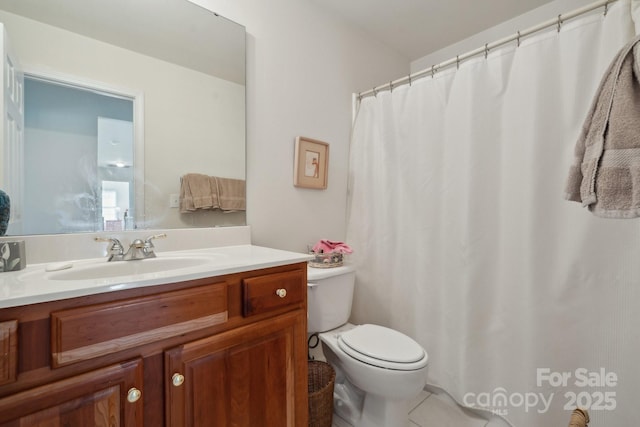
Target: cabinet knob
[
  {"x": 133, "y": 395},
  {"x": 281, "y": 292},
  {"x": 177, "y": 379}
]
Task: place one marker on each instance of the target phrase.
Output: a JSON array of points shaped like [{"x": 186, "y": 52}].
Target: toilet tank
[{"x": 329, "y": 297}]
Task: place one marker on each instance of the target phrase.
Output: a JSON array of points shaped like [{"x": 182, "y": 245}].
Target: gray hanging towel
[{"x": 605, "y": 175}]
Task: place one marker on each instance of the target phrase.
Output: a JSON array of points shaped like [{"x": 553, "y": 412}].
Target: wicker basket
[
  {"x": 322, "y": 378},
  {"x": 579, "y": 418},
  {"x": 326, "y": 260}
]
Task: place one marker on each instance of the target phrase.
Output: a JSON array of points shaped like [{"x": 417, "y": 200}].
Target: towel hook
[{"x": 559, "y": 22}]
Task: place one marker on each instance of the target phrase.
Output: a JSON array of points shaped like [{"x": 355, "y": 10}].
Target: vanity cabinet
[
  {"x": 8, "y": 351},
  {"x": 222, "y": 351},
  {"x": 244, "y": 377},
  {"x": 106, "y": 397}
]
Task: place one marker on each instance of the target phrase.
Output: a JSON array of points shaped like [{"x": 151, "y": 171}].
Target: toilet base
[
  {"x": 361, "y": 409},
  {"x": 379, "y": 412}
]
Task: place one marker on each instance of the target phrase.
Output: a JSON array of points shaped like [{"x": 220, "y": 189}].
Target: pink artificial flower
[{"x": 331, "y": 246}]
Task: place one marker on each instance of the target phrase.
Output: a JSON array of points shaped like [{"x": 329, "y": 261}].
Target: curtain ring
[
  {"x": 457, "y": 62},
  {"x": 433, "y": 70},
  {"x": 606, "y": 8},
  {"x": 486, "y": 50},
  {"x": 409, "y": 79},
  {"x": 518, "y": 38},
  {"x": 375, "y": 92},
  {"x": 559, "y": 22},
  {"x": 391, "y": 86}
]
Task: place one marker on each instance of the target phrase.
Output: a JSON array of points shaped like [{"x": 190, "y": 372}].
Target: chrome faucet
[
  {"x": 115, "y": 249},
  {"x": 139, "y": 249}
]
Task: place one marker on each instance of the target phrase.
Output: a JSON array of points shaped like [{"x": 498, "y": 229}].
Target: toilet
[{"x": 378, "y": 370}]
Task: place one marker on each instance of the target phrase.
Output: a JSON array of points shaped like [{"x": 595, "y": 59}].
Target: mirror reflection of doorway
[
  {"x": 75, "y": 139},
  {"x": 115, "y": 173},
  {"x": 115, "y": 206}
]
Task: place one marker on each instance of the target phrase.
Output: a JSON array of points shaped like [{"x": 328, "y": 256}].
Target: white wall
[
  {"x": 505, "y": 29},
  {"x": 302, "y": 67}
]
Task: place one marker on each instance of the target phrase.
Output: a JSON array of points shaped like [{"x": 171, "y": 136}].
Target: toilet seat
[{"x": 383, "y": 347}]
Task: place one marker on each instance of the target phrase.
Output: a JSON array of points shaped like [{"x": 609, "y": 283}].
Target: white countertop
[{"x": 34, "y": 285}]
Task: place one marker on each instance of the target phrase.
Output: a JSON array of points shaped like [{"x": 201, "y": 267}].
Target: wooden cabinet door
[
  {"x": 101, "y": 398},
  {"x": 252, "y": 376}
]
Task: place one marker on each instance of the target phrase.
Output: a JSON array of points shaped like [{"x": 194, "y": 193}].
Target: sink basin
[{"x": 130, "y": 268}]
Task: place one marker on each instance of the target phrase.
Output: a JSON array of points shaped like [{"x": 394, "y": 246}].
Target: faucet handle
[
  {"x": 114, "y": 249},
  {"x": 148, "y": 245},
  {"x": 155, "y": 236}
]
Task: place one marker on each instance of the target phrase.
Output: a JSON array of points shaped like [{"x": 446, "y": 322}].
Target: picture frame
[{"x": 311, "y": 164}]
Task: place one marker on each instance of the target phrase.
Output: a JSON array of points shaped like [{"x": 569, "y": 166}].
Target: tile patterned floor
[{"x": 437, "y": 409}]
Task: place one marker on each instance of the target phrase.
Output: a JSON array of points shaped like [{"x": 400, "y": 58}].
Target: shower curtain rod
[{"x": 487, "y": 47}]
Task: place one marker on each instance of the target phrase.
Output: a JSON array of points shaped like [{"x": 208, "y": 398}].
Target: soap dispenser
[{"x": 128, "y": 221}]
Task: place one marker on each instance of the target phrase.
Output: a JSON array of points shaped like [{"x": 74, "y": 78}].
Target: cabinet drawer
[
  {"x": 272, "y": 291},
  {"x": 86, "y": 332}
]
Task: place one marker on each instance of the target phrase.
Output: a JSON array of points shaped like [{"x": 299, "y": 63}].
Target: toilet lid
[{"x": 383, "y": 347}]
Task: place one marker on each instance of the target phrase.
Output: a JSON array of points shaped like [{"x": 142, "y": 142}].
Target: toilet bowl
[{"x": 378, "y": 370}]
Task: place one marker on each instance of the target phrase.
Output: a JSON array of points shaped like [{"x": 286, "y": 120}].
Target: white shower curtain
[{"x": 527, "y": 304}]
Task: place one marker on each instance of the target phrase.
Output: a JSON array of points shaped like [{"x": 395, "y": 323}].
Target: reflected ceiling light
[{"x": 118, "y": 164}]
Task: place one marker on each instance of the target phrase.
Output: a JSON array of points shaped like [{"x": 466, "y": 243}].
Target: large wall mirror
[{"x": 108, "y": 104}]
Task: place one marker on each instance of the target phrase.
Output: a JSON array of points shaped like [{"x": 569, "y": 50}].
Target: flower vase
[{"x": 5, "y": 212}]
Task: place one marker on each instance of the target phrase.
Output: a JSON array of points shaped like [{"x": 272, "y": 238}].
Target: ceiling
[
  {"x": 417, "y": 28},
  {"x": 207, "y": 42}
]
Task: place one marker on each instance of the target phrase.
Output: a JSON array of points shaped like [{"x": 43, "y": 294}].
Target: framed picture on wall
[{"x": 311, "y": 165}]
